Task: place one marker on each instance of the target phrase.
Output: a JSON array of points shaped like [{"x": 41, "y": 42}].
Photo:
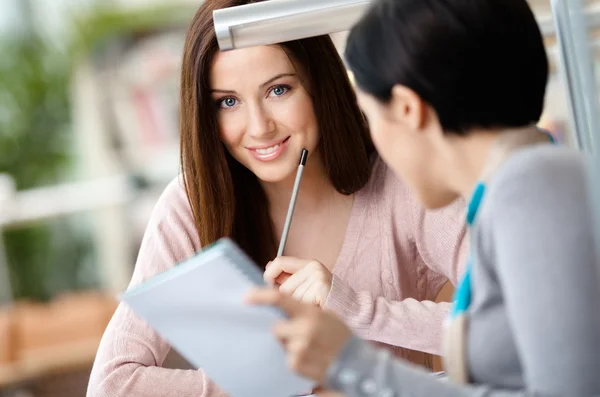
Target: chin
[
  {"x": 280, "y": 170},
  {"x": 275, "y": 174}
]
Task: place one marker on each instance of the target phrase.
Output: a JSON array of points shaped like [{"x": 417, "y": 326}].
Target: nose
[{"x": 260, "y": 122}]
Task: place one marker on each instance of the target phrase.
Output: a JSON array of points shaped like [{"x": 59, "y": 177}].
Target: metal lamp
[{"x": 276, "y": 21}]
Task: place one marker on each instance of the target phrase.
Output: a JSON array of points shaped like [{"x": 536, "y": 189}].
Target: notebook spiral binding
[{"x": 241, "y": 261}]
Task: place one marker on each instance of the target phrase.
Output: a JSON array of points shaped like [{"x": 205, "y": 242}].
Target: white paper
[{"x": 199, "y": 310}]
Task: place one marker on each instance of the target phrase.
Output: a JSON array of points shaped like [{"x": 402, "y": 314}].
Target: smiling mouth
[{"x": 270, "y": 149}]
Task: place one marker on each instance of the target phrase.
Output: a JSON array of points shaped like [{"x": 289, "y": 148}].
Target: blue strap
[
  {"x": 475, "y": 202},
  {"x": 462, "y": 295}
]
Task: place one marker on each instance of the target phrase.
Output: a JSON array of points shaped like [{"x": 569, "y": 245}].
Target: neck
[
  {"x": 480, "y": 153},
  {"x": 315, "y": 188}
]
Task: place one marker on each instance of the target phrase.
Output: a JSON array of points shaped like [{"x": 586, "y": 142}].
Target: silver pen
[{"x": 290, "y": 213}]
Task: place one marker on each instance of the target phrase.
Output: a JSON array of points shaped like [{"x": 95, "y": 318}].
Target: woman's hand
[
  {"x": 313, "y": 338},
  {"x": 306, "y": 280}
]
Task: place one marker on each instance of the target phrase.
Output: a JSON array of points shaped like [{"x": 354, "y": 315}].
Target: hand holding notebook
[{"x": 198, "y": 308}]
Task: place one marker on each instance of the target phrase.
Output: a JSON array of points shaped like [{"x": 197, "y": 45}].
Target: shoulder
[
  {"x": 388, "y": 195},
  {"x": 172, "y": 219},
  {"x": 170, "y": 236},
  {"x": 384, "y": 182},
  {"x": 538, "y": 211},
  {"x": 172, "y": 205},
  {"x": 543, "y": 160},
  {"x": 547, "y": 173},
  {"x": 539, "y": 191}
]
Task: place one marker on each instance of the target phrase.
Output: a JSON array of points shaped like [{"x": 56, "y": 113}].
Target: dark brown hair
[
  {"x": 463, "y": 66},
  {"x": 226, "y": 198}
]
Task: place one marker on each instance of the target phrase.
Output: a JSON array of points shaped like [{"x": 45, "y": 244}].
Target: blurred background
[{"x": 88, "y": 141}]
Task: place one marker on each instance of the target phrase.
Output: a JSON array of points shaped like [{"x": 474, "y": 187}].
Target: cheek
[
  {"x": 377, "y": 135},
  {"x": 398, "y": 152},
  {"x": 382, "y": 138},
  {"x": 415, "y": 163},
  {"x": 230, "y": 130},
  {"x": 300, "y": 115}
]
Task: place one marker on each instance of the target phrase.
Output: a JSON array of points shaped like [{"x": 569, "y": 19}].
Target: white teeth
[{"x": 268, "y": 150}]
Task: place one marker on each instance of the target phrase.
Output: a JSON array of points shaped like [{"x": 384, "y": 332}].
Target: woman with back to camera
[
  {"x": 453, "y": 90},
  {"x": 245, "y": 117}
]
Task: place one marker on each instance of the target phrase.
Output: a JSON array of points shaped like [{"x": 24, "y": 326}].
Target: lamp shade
[{"x": 276, "y": 21}]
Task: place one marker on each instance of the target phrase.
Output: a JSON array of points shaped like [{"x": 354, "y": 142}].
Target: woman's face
[
  {"x": 410, "y": 140},
  {"x": 264, "y": 113}
]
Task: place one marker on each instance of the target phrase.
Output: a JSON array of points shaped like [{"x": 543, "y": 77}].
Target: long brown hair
[{"x": 226, "y": 198}]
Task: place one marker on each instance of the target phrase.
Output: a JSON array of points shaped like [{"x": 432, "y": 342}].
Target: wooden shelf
[
  {"x": 55, "y": 337},
  {"x": 43, "y": 362}
]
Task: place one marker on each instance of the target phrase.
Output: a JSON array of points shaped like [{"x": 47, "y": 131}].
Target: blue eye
[
  {"x": 280, "y": 90},
  {"x": 227, "y": 103}
]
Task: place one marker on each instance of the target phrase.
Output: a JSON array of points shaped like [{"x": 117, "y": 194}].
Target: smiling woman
[
  {"x": 268, "y": 118},
  {"x": 263, "y": 95},
  {"x": 375, "y": 257}
]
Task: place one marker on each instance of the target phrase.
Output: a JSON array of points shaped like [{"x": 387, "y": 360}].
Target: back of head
[
  {"x": 226, "y": 198},
  {"x": 478, "y": 63}
]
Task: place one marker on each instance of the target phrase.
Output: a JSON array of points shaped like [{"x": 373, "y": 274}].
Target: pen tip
[{"x": 303, "y": 157}]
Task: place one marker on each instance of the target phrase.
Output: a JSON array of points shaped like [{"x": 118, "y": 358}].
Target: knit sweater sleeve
[
  {"x": 130, "y": 356},
  {"x": 437, "y": 240}
]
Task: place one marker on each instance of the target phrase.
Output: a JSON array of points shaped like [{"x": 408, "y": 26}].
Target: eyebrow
[{"x": 272, "y": 79}]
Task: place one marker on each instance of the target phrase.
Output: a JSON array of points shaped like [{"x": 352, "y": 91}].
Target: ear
[{"x": 407, "y": 107}]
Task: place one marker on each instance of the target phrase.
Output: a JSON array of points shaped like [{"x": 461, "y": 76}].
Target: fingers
[
  {"x": 294, "y": 281},
  {"x": 312, "y": 295},
  {"x": 300, "y": 292},
  {"x": 271, "y": 273},
  {"x": 304, "y": 359},
  {"x": 285, "y": 330},
  {"x": 263, "y": 296},
  {"x": 283, "y": 264},
  {"x": 272, "y": 297},
  {"x": 298, "y": 333},
  {"x": 282, "y": 278}
]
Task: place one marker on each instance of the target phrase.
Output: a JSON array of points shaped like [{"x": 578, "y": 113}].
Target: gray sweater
[{"x": 534, "y": 321}]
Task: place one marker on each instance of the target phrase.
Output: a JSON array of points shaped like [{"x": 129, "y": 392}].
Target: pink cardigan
[{"x": 393, "y": 262}]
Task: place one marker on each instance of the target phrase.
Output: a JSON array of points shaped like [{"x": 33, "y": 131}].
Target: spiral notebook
[{"x": 198, "y": 308}]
